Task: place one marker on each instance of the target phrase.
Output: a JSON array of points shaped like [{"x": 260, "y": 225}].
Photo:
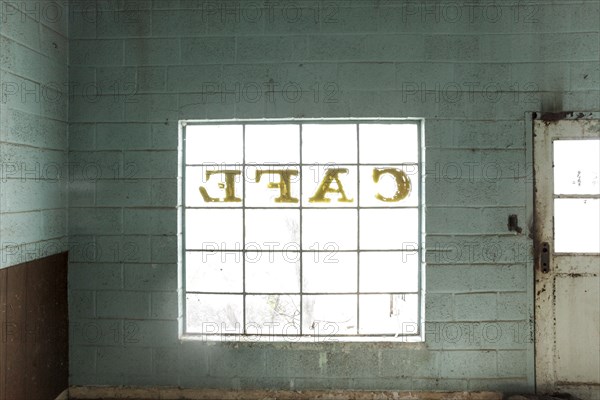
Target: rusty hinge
[{"x": 545, "y": 257}]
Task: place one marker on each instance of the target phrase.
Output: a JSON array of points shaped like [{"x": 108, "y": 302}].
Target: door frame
[{"x": 544, "y": 288}]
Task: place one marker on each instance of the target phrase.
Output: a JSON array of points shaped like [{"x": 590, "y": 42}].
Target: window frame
[{"x": 418, "y": 336}]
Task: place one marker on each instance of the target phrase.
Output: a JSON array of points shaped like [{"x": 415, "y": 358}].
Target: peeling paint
[{"x": 553, "y": 117}]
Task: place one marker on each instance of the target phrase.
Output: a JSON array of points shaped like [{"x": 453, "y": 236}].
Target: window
[{"x": 303, "y": 230}]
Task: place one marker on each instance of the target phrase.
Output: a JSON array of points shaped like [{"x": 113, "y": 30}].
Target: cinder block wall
[
  {"x": 33, "y": 130},
  {"x": 472, "y": 71}
]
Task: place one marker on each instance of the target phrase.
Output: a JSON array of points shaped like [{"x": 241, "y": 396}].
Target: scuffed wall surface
[
  {"x": 137, "y": 67},
  {"x": 33, "y": 130}
]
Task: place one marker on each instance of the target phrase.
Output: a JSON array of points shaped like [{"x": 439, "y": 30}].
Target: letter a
[{"x": 325, "y": 187}]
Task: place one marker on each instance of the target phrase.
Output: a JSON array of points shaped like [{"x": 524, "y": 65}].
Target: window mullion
[{"x": 300, "y": 240}]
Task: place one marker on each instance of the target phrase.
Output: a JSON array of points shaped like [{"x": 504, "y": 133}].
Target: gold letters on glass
[
  {"x": 283, "y": 185},
  {"x": 403, "y": 185},
  {"x": 331, "y": 175},
  {"x": 229, "y": 187}
]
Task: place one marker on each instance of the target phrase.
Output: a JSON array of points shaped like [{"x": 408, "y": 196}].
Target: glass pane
[
  {"x": 329, "y": 144},
  {"x": 213, "y": 229},
  {"x": 576, "y": 166},
  {"x": 329, "y": 230},
  {"x": 273, "y": 229},
  {"x": 285, "y": 186},
  {"x": 219, "y": 144},
  {"x": 324, "y": 315},
  {"x": 273, "y": 314},
  {"x": 388, "y": 143},
  {"x": 273, "y": 144},
  {"x": 389, "y": 313},
  {"x": 272, "y": 272},
  {"x": 208, "y": 271},
  {"x": 389, "y": 229},
  {"x": 328, "y": 179},
  {"x": 214, "y": 313},
  {"x": 389, "y": 271},
  {"x": 216, "y": 187},
  {"x": 396, "y": 186},
  {"x": 577, "y": 225},
  {"x": 329, "y": 272}
]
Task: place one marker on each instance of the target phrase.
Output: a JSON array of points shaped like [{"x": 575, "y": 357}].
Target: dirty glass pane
[
  {"x": 214, "y": 313},
  {"x": 329, "y": 272},
  {"x": 213, "y": 229},
  {"x": 329, "y": 314},
  {"x": 215, "y": 186},
  {"x": 213, "y": 271},
  {"x": 389, "y": 229},
  {"x": 577, "y": 225},
  {"x": 388, "y": 271},
  {"x": 273, "y": 314},
  {"x": 396, "y": 314},
  {"x": 576, "y": 166},
  {"x": 216, "y": 144},
  {"x": 388, "y": 143},
  {"x": 329, "y": 230},
  {"x": 273, "y": 272},
  {"x": 329, "y": 178},
  {"x": 329, "y": 144},
  {"x": 397, "y": 186},
  {"x": 273, "y": 143},
  {"x": 273, "y": 229},
  {"x": 285, "y": 182}
]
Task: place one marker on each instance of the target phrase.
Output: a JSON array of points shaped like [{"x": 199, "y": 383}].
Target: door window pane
[
  {"x": 576, "y": 166},
  {"x": 577, "y": 225}
]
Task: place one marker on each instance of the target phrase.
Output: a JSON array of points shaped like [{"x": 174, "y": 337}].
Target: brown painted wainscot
[{"x": 34, "y": 329}]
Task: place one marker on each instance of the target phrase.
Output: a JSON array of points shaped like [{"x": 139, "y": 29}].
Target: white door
[{"x": 567, "y": 228}]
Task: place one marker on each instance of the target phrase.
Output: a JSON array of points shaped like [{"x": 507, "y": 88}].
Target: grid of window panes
[{"x": 267, "y": 260}]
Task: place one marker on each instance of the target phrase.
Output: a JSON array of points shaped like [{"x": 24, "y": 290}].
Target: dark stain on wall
[{"x": 34, "y": 329}]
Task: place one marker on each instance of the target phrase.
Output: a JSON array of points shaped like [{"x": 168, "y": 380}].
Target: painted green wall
[
  {"x": 137, "y": 67},
  {"x": 33, "y": 130}
]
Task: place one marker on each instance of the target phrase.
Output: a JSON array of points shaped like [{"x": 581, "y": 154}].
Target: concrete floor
[{"x": 105, "y": 393}]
